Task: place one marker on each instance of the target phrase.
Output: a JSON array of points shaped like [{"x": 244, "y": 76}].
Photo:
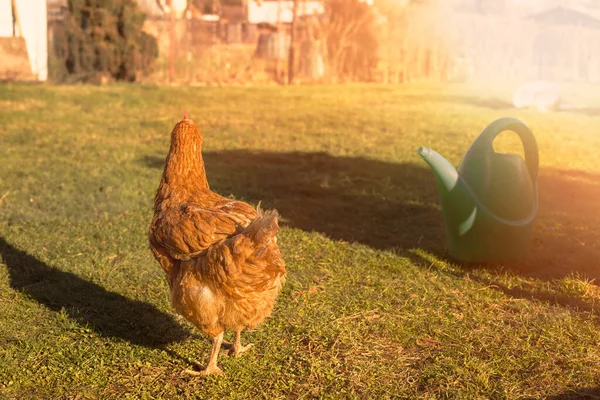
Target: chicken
[{"x": 220, "y": 256}]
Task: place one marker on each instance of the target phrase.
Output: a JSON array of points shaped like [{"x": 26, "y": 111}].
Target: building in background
[
  {"x": 274, "y": 12},
  {"x": 23, "y": 39}
]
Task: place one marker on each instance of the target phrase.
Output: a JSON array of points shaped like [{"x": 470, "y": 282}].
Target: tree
[
  {"x": 104, "y": 37},
  {"x": 417, "y": 40},
  {"x": 350, "y": 35},
  {"x": 356, "y": 30}
]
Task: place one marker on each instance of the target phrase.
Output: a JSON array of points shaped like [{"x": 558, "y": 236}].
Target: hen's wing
[{"x": 188, "y": 230}]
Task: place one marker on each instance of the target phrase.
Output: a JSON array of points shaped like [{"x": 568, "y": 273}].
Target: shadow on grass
[
  {"x": 380, "y": 204},
  {"x": 563, "y": 300},
  {"x": 109, "y": 314},
  {"x": 493, "y": 103},
  {"x": 575, "y": 394},
  {"x": 395, "y": 206},
  {"x": 589, "y": 111},
  {"x": 484, "y": 102},
  {"x": 566, "y": 235},
  {"x": 499, "y": 104}
]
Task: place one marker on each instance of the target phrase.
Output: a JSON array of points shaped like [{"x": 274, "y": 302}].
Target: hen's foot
[
  {"x": 209, "y": 370},
  {"x": 238, "y": 350}
]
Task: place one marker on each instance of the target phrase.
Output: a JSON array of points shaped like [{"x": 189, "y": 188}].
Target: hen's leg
[
  {"x": 237, "y": 348},
  {"x": 211, "y": 368}
]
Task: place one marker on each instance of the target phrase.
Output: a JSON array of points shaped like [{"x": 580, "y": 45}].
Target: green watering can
[{"x": 490, "y": 203}]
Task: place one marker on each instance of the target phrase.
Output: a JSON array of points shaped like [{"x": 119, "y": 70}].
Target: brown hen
[{"x": 220, "y": 256}]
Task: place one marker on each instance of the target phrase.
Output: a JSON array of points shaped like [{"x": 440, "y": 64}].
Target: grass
[{"x": 372, "y": 307}]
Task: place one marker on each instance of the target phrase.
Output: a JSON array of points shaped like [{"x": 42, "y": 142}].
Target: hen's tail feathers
[
  {"x": 264, "y": 227},
  {"x": 258, "y": 210}
]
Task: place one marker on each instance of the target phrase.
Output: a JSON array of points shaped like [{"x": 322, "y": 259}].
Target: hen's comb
[{"x": 184, "y": 114}]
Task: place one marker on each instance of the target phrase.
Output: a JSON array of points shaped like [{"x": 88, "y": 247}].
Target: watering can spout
[
  {"x": 458, "y": 203},
  {"x": 446, "y": 174}
]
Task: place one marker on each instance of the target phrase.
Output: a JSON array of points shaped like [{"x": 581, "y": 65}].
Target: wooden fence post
[{"x": 292, "y": 44}]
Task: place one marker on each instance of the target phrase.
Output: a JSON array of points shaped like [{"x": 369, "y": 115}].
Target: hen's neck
[{"x": 184, "y": 166}]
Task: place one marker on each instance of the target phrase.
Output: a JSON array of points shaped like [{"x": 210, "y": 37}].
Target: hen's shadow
[{"x": 109, "y": 314}]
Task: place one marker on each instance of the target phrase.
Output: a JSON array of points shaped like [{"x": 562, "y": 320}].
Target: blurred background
[{"x": 203, "y": 42}]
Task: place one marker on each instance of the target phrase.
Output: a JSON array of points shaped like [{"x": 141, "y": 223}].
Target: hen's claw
[
  {"x": 210, "y": 370},
  {"x": 238, "y": 350}
]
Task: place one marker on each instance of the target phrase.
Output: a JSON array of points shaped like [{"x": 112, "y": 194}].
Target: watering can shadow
[{"x": 489, "y": 203}]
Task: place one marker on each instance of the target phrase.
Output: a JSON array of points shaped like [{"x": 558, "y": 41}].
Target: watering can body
[{"x": 489, "y": 203}]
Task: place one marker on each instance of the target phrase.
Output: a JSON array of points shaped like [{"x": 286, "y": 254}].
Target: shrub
[{"x": 102, "y": 38}]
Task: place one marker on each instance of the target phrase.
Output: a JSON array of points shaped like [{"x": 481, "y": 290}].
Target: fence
[
  {"x": 230, "y": 52},
  {"x": 421, "y": 46}
]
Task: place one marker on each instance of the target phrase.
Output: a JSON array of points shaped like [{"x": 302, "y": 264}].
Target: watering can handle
[{"x": 529, "y": 143}]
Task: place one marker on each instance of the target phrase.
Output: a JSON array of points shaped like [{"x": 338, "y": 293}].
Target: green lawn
[{"x": 372, "y": 307}]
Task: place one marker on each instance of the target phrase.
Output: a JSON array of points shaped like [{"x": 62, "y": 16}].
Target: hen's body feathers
[{"x": 220, "y": 256}]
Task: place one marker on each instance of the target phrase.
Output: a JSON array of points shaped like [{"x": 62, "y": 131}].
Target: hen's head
[{"x": 186, "y": 131}]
